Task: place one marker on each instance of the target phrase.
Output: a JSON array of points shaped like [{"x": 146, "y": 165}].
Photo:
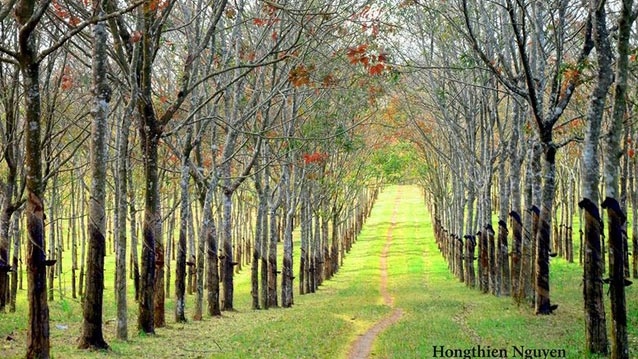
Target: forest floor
[{"x": 394, "y": 275}]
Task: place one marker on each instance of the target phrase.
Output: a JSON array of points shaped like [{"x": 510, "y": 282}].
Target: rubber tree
[
  {"x": 27, "y": 14},
  {"x": 595, "y": 321},
  {"x": 92, "y": 336},
  {"x": 544, "y": 88},
  {"x": 11, "y": 188},
  {"x": 616, "y": 213}
]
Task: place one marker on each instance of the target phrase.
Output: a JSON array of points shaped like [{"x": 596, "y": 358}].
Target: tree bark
[
  {"x": 17, "y": 244},
  {"x": 38, "y": 343},
  {"x": 260, "y": 250},
  {"x": 227, "y": 251},
  {"x": 52, "y": 252},
  {"x": 257, "y": 247},
  {"x": 287, "y": 275},
  {"x": 617, "y": 283},
  {"x": 595, "y": 321},
  {"x": 209, "y": 230},
  {"x": 121, "y": 236},
  {"x": 542, "y": 302},
  {"x": 616, "y": 217},
  {"x": 180, "y": 265},
  {"x": 272, "y": 258},
  {"x": 502, "y": 257},
  {"x": 152, "y": 255},
  {"x": 10, "y": 157},
  {"x": 92, "y": 336}
]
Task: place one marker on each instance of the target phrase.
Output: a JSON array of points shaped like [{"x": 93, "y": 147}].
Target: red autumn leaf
[
  {"x": 376, "y": 69},
  {"x": 259, "y": 22},
  {"x": 74, "y": 21},
  {"x": 66, "y": 83},
  {"x": 631, "y": 153},
  {"x": 59, "y": 10},
  {"x": 314, "y": 157},
  {"x": 356, "y": 54},
  {"x": 158, "y": 4},
  {"x": 136, "y": 37}
]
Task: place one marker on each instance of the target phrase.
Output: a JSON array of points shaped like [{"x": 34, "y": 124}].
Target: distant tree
[{"x": 11, "y": 189}]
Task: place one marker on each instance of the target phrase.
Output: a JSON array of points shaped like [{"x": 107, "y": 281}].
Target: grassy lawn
[{"x": 438, "y": 310}]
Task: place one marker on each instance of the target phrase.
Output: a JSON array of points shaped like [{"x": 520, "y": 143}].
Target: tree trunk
[
  {"x": 134, "y": 241},
  {"x": 531, "y": 217},
  {"x": 272, "y": 258},
  {"x": 121, "y": 210},
  {"x": 227, "y": 251},
  {"x": 595, "y": 321},
  {"x": 10, "y": 156},
  {"x": 152, "y": 253},
  {"x": 542, "y": 302},
  {"x": 52, "y": 253},
  {"x": 256, "y": 253},
  {"x": 306, "y": 230},
  {"x": 470, "y": 240},
  {"x": 334, "y": 246},
  {"x": 287, "y": 269},
  {"x": 74, "y": 235},
  {"x": 5, "y": 266},
  {"x": 617, "y": 283},
  {"x": 470, "y": 276},
  {"x": 617, "y": 240},
  {"x": 180, "y": 265},
  {"x": 201, "y": 255},
  {"x": 92, "y": 336},
  {"x": 38, "y": 329},
  {"x": 483, "y": 261},
  {"x": 82, "y": 237},
  {"x": 502, "y": 257},
  {"x": 494, "y": 281},
  {"x": 14, "y": 262},
  {"x": 209, "y": 231},
  {"x": 634, "y": 214},
  {"x": 261, "y": 245},
  {"x": 192, "y": 258}
]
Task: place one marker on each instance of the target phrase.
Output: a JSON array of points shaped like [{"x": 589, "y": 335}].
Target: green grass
[
  {"x": 438, "y": 310},
  {"x": 444, "y": 312}
]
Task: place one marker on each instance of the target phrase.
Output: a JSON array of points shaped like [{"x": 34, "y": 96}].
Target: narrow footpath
[{"x": 362, "y": 347}]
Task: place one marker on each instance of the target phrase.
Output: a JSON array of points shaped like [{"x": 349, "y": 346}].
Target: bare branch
[
  {"x": 84, "y": 24},
  {"x": 5, "y": 9}
]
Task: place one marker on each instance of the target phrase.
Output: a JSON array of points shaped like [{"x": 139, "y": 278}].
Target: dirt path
[{"x": 363, "y": 345}]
